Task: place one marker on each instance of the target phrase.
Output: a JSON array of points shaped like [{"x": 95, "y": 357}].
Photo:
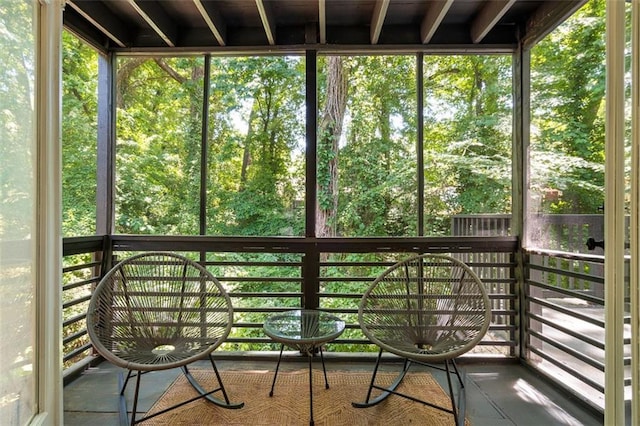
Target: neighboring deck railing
[
  {"x": 562, "y": 232},
  {"x": 564, "y": 321}
]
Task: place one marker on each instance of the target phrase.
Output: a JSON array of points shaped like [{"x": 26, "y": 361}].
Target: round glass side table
[{"x": 305, "y": 330}]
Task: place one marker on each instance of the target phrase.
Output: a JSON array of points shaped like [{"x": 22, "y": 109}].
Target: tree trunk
[
  {"x": 246, "y": 154},
  {"x": 123, "y": 77},
  {"x": 329, "y": 131}
]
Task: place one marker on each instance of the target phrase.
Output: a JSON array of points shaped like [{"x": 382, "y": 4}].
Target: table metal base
[{"x": 324, "y": 370}]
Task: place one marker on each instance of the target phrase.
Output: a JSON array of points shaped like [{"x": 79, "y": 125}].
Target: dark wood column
[
  {"x": 420, "y": 139},
  {"x": 311, "y": 268},
  {"x": 105, "y": 209},
  {"x": 204, "y": 146},
  {"x": 312, "y": 142},
  {"x": 521, "y": 82}
]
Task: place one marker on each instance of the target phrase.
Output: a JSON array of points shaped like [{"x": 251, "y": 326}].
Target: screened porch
[
  {"x": 297, "y": 149},
  {"x": 546, "y": 287}
]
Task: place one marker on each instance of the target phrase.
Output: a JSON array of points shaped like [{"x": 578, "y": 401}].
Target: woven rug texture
[{"x": 289, "y": 404}]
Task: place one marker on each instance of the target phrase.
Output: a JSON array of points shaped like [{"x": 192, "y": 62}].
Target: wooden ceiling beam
[
  {"x": 322, "y": 20},
  {"x": 159, "y": 21},
  {"x": 268, "y": 22},
  {"x": 214, "y": 20},
  {"x": 546, "y": 17},
  {"x": 488, "y": 18},
  {"x": 377, "y": 20},
  {"x": 103, "y": 19},
  {"x": 433, "y": 18}
]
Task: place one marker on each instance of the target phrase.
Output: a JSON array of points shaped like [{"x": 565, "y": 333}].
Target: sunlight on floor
[{"x": 529, "y": 394}]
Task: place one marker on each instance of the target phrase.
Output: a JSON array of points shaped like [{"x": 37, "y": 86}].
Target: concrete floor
[{"x": 497, "y": 393}]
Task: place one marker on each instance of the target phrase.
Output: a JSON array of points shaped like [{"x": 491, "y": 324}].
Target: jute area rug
[{"x": 289, "y": 404}]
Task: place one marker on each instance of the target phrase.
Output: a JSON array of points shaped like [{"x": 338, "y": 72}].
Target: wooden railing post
[{"x": 310, "y": 282}]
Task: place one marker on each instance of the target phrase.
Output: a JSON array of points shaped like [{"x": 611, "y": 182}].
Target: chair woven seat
[
  {"x": 156, "y": 311},
  {"x": 427, "y": 309},
  {"x": 144, "y": 351}
]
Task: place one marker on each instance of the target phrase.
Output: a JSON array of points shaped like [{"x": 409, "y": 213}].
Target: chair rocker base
[
  {"x": 202, "y": 394},
  {"x": 208, "y": 395},
  {"x": 458, "y": 413}
]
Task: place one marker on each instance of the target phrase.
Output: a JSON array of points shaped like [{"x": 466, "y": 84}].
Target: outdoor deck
[{"x": 498, "y": 393}]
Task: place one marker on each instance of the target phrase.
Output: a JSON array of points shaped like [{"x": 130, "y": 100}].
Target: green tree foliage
[
  {"x": 377, "y": 171},
  {"x": 158, "y": 145},
  {"x": 79, "y": 137},
  {"x": 256, "y": 146},
  {"x": 568, "y": 84},
  {"x": 468, "y": 128},
  {"x": 79, "y": 166}
]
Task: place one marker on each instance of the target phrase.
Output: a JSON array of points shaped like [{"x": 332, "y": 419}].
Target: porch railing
[
  {"x": 82, "y": 268},
  {"x": 265, "y": 275}
]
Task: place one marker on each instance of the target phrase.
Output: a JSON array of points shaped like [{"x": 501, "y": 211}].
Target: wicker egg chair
[
  {"x": 156, "y": 311},
  {"x": 428, "y": 309}
]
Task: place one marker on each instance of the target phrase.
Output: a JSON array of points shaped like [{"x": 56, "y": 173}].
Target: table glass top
[{"x": 303, "y": 326}]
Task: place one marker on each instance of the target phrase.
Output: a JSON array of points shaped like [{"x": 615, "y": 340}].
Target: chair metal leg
[
  {"x": 122, "y": 384},
  {"x": 455, "y": 367},
  {"x": 202, "y": 393},
  {"x": 215, "y": 370},
  {"x": 122, "y": 402},
  {"x": 208, "y": 394},
  {"x": 386, "y": 391},
  {"x": 458, "y": 410},
  {"x": 453, "y": 400},
  {"x": 373, "y": 379},
  {"x": 135, "y": 399}
]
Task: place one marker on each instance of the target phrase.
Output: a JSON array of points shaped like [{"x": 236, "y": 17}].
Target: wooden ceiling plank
[
  {"x": 143, "y": 24},
  {"x": 322, "y": 20},
  {"x": 103, "y": 19},
  {"x": 488, "y": 18},
  {"x": 214, "y": 21},
  {"x": 546, "y": 17},
  {"x": 433, "y": 18},
  {"x": 268, "y": 22},
  {"x": 157, "y": 20},
  {"x": 377, "y": 20}
]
